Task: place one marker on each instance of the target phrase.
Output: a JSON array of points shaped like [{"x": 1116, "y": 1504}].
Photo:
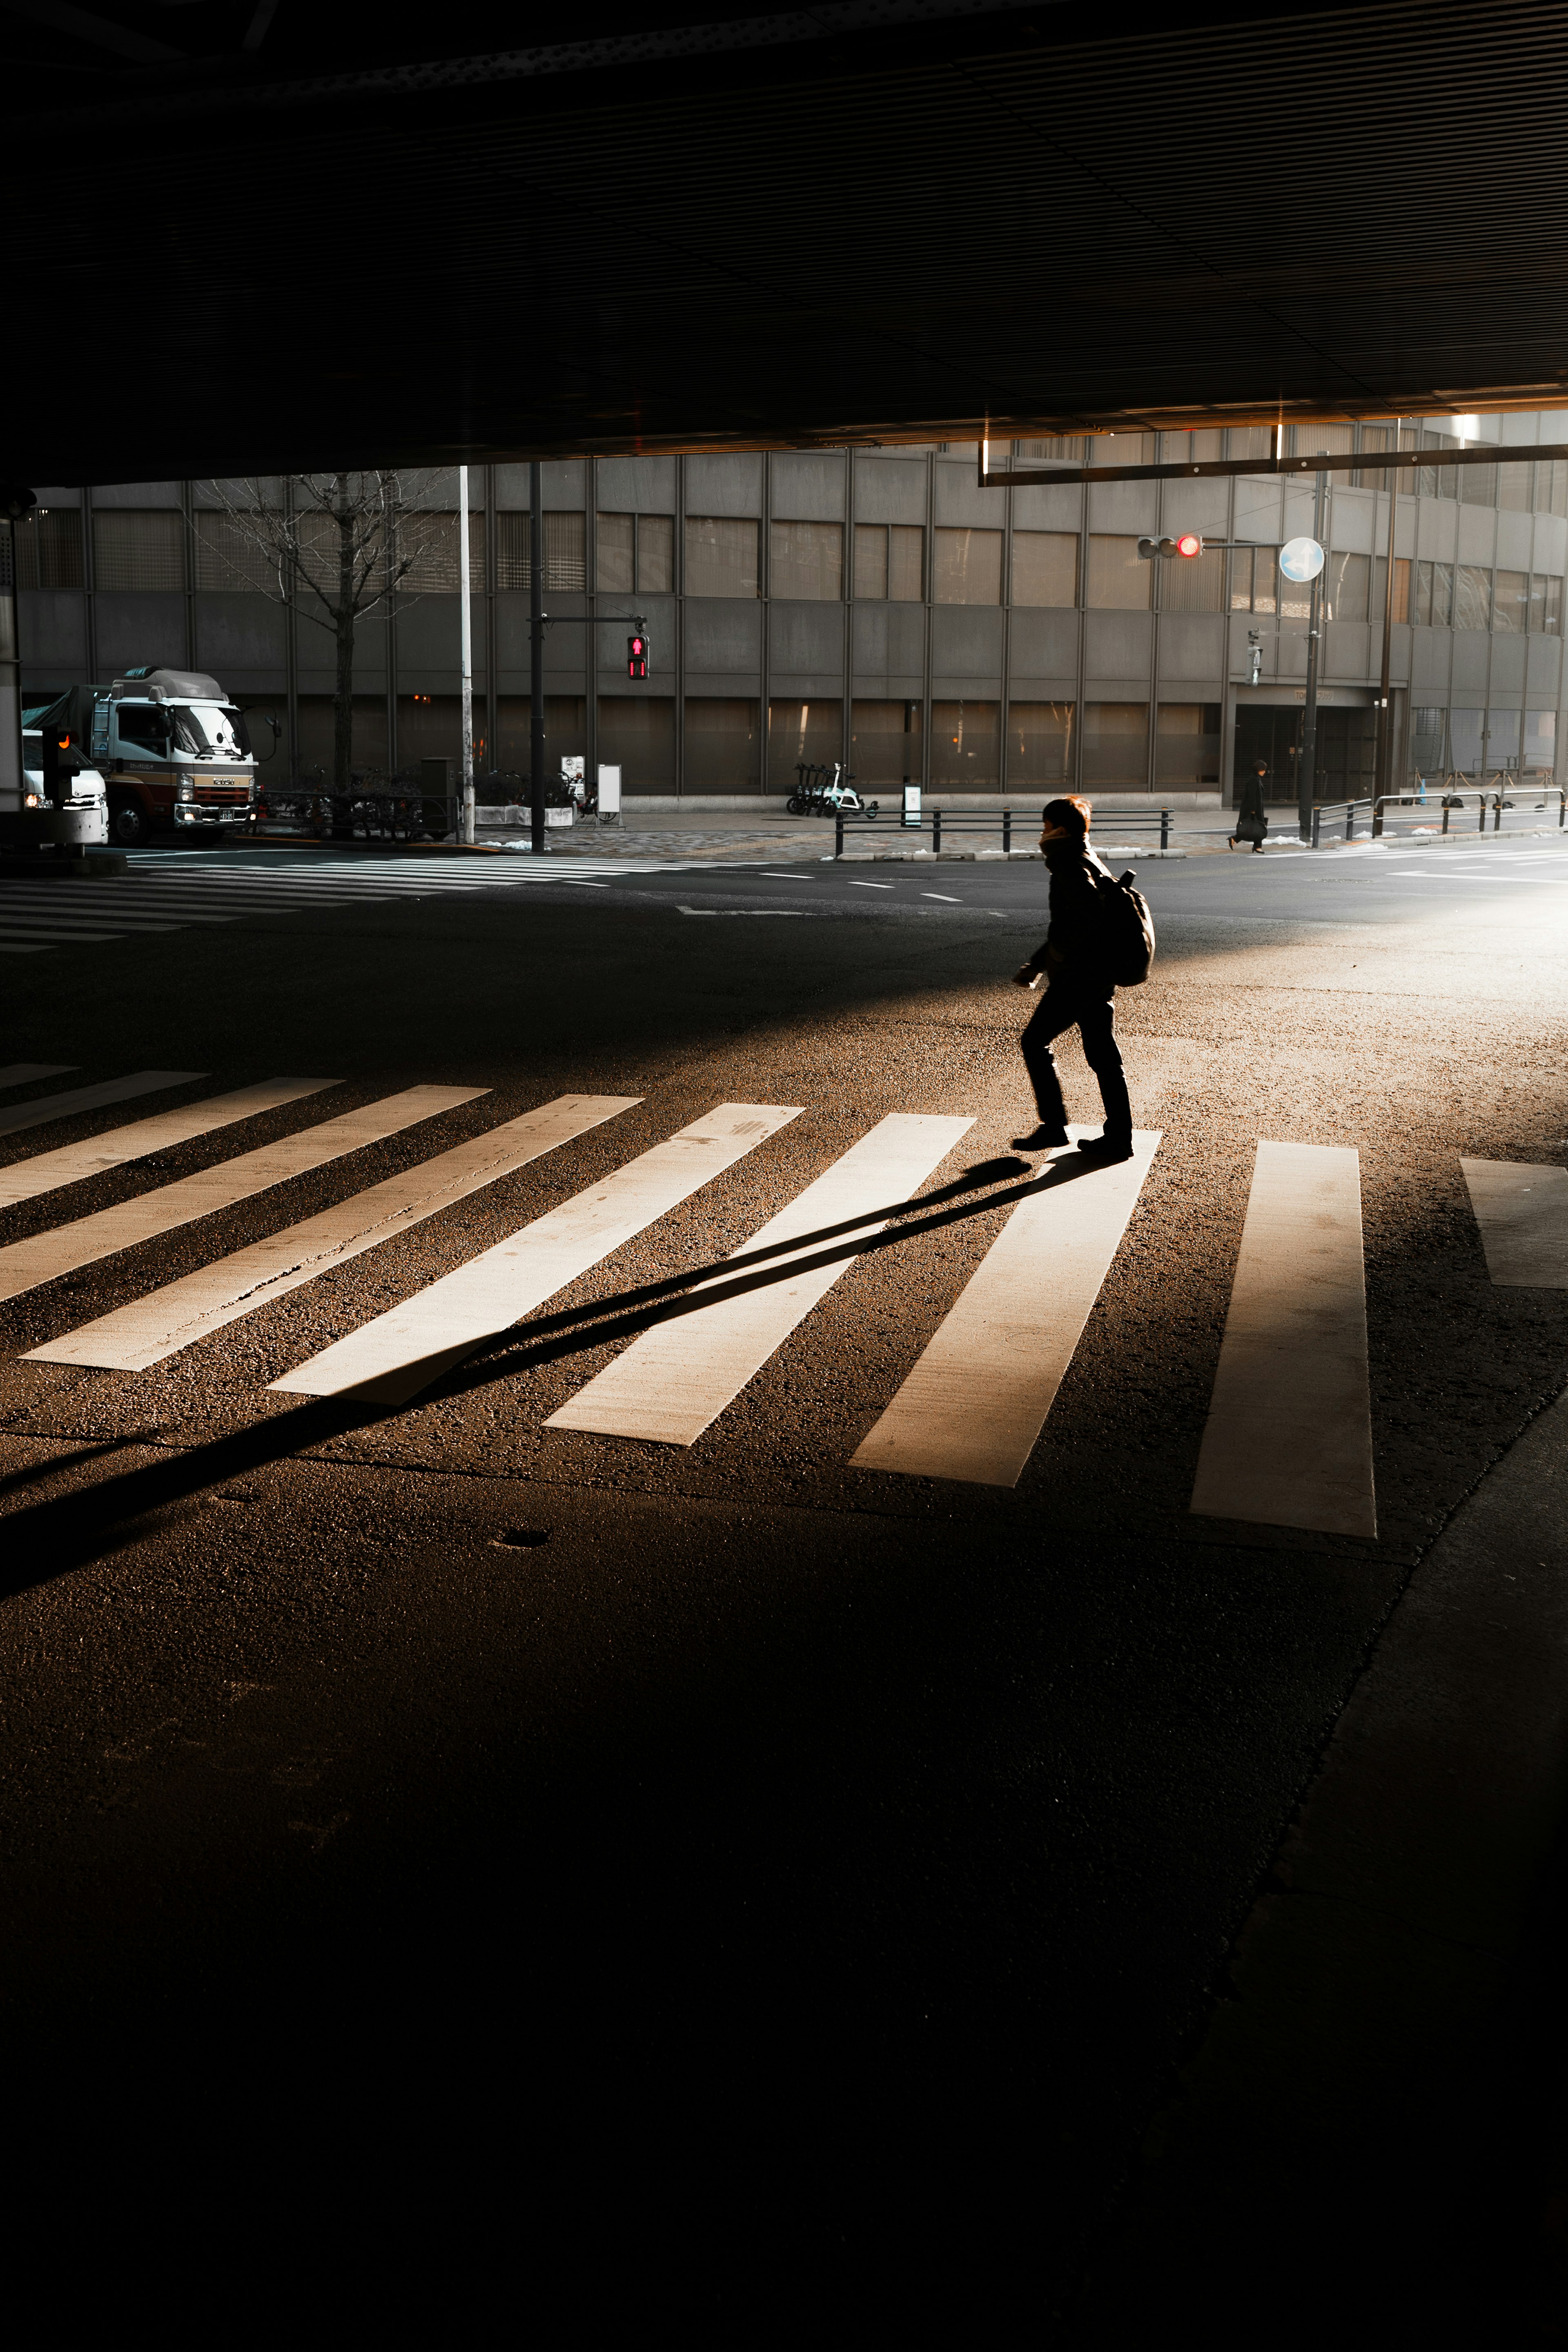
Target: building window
[
  {"x": 1186, "y": 744},
  {"x": 1473, "y": 596},
  {"x": 969, "y": 567},
  {"x": 1510, "y": 602},
  {"x": 635, "y": 553},
  {"x": 1346, "y": 584},
  {"x": 1502, "y": 739},
  {"x": 1192, "y": 583},
  {"x": 965, "y": 746},
  {"x": 807, "y": 561},
  {"x": 1120, "y": 581},
  {"x": 890, "y": 561},
  {"x": 228, "y": 556},
  {"x": 723, "y": 746},
  {"x": 1465, "y": 738},
  {"x": 1045, "y": 567},
  {"x": 139, "y": 551},
  {"x": 1040, "y": 745},
  {"x": 1206, "y": 443},
  {"x": 49, "y": 548},
  {"x": 887, "y": 743},
  {"x": 1373, "y": 477},
  {"x": 1251, "y": 441},
  {"x": 1477, "y": 484},
  {"x": 1546, "y": 603},
  {"x": 436, "y": 569},
  {"x": 1552, "y": 486},
  {"x": 1427, "y": 732},
  {"x": 1513, "y": 488},
  {"x": 1541, "y": 740},
  {"x": 637, "y": 734},
  {"x": 1060, "y": 448},
  {"x": 1322, "y": 440},
  {"x": 1401, "y": 588},
  {"x": 1434, "y": 595},
  {"x": 797, "y": 731},
  {"x": 1254, "y": 572},
  {"x": 1116, "y": 746},
  {"x": 721, "y": 555}
]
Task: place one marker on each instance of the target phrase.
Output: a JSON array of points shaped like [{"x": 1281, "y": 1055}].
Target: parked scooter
[{"x": 827, "y": 791}]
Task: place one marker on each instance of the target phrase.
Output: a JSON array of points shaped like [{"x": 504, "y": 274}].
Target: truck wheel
[{"x": 128, "y": 824}]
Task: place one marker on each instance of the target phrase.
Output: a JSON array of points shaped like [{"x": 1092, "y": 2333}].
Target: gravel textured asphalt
[{"x": 792, "y": 1871}]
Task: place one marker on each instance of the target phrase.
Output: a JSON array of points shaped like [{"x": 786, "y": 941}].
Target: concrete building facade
[{"x": 877, "y": 607}]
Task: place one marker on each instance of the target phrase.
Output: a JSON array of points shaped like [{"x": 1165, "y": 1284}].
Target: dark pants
[{"x": 1089, "y": 1012}]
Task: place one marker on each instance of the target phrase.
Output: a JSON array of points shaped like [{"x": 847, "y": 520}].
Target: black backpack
[{"x": 1129, "y": 930}]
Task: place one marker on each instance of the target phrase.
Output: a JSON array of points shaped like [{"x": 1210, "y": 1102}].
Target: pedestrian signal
[{"x": 636, "y": 656}]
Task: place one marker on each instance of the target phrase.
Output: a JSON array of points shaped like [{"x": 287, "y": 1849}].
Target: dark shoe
[
  {"x": 1108, "y": 1147},
  {"x": 1044, "y": 1139}
]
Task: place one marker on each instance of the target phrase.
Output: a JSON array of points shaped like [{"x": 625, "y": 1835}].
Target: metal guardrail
[
  {"x": 1455, "y": 792},
  {"x": 394, "y": 814},
  {"x": 943, "y": 824}
]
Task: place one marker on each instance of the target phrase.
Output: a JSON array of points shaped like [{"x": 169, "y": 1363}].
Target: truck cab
[{"x": 175, "y": 752}]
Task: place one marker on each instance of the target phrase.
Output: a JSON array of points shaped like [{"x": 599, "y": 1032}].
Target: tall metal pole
[
  {"x": 536, "y": 661},
  {"x": 1306, "y": 782},
  {"x": 1383, "y": 769},
  {"x": 467, "y": 654}
]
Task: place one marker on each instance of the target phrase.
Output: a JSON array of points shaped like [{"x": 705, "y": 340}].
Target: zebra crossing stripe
[
  {"x": 1288, "y": 1438},
  {"x": 25, "y": 1265},
  {"x": 668, "y": 1385},
  {"x": 149, "y": 1329},
  {"x": 19, "y": 1074},
  {"x": 975, "y": 1403},
  {"x": 25, "y": 1179},
  {"x": 111, "y": 1090},
  {"x": 78, "y": 927},
  {"x": 390, "y": 1360},
  {"x": 1522, "y": 1212}
]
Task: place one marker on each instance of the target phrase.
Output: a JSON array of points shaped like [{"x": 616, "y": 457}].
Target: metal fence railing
[
  {"x": 944, "y": 825},
  {"x": 1454, "y": 794},
  {"x": 363, "y": 814}
]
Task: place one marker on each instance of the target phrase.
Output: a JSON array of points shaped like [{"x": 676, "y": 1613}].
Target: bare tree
[{"x": 337, "y": 546}]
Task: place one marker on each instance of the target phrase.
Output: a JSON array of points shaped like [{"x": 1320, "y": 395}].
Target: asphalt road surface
[{"x": 716, "y": 1863}]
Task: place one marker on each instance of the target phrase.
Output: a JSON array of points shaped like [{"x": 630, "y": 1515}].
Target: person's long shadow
[{"x": 47, "y": 1539}]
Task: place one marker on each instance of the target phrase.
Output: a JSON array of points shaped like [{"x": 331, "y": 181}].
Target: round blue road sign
[{"x": 1300, "y": 559}]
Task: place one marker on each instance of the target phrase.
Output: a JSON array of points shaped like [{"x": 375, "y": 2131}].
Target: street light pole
[
  {"x": 468, "y": 655},
  {"x": 1306, "y": 781},
  {"x": 536, "y": 661},
  {"x": 1384, "y": 766}
]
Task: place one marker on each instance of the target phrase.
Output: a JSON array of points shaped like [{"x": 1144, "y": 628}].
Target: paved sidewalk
[{"x": 1376, "y": 2119}]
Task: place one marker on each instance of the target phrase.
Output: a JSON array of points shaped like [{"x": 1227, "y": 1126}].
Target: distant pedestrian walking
[
  {"x": 1251, "y": 818},
  {"x": 1085, "y": 951}
]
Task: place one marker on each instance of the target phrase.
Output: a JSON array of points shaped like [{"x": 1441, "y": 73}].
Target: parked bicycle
[{"x": 828, "y": 792}]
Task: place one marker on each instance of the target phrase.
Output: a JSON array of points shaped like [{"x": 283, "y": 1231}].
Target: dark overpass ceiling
[{"x": 252, "y": 237}]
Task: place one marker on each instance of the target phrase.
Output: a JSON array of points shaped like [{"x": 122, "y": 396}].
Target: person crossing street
[{"x": 1077, "y": 959}]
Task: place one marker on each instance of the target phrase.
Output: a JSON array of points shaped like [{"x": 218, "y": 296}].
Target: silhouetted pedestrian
[
  {"x": 1251, "y": 818},
  {"x": 1076, "y": 960}
]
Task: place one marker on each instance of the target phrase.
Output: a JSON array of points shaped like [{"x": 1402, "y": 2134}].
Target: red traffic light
[
  {"x": 1189, "y": 544},
  {"x": 636, "y": 656}
]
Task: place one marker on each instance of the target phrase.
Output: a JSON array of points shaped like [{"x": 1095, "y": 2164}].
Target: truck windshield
[{"x": 213, "y": 730}]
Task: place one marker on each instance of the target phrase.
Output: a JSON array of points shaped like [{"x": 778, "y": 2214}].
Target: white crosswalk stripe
[
  {"x": 1294, "y": 1354},
  {"x": 46, "y": 1171},
  {"x": 975, "y": 1404},
  {"x": 1522, "y": 1212},
  {"x": 21, "y": 1074},
  {"x": 45, "y": 1256},
  {"x": 152, "y": 1328},
  {"x": 399, "y": 1353},
  {"x": 678, "y": 1377},
  {"x": 974, "y": 1407}
]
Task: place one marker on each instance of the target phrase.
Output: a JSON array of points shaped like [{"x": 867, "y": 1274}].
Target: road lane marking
[
  {"x": 668, "y": 1385},
  {"x": 25, "y": 1179},
  {"x": 149, "y": 1329},
  {"x": 111, "y": 1090},
  {"x": 19, "y": 1074},
  {"x": 871, "y": 885},
  {"x": 796, "y": 914},
  {"x": 1289, "y": 1437},
  {"x": 1522, "y": 1212},
  {"x": 401, "y": 1352},
  {"x": 25, "y": 1265},
  {"x": 768, "y": 876},
  {"x": 975, "y": 1404},
  {"x": 942, "y": 896}
]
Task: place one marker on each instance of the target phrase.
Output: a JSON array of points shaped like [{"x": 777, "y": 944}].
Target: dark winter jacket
[{"x": 1074, "y": 946}]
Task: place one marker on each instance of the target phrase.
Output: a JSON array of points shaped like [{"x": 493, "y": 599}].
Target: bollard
[
  {"x": 936, "y": 829},
  {"x": 1164, "y": 828},
  {"x": 1350, "y": 820},
  {"x": 837, "y": 833},
  {"x": 1445, "y": 817},
  {"x": 1317, "y": 821},
  {"x": 1497, "y": 813},
  {"x": 1482, "y": 826},
  {"x": 1377, "y": 820},
  {"x": 1006, "y": 831}
]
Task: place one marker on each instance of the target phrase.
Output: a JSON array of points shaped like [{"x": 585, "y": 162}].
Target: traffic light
[
  {"x": 1190, "y": 543},
  {"x": 61, "y": 764},
  {"x": 637, "y": 657}
]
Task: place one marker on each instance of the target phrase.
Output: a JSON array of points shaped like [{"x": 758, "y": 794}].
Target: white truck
[{"x": 171, "y": 748}]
